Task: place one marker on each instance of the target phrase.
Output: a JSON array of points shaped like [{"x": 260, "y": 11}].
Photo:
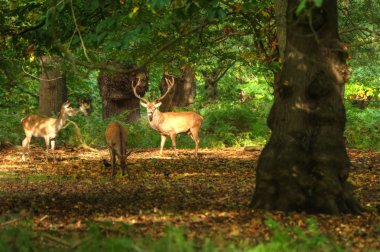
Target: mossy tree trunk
[
  {"x": 117, "y": 94},
  {"x": 305, "y": 166}
]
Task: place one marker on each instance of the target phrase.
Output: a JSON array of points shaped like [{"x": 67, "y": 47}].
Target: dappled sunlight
[
  {"x": 208, "y": 195},
  {"x": 302, "y": 105}
]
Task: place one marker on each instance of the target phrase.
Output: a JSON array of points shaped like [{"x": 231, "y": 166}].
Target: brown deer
[
  {"x": 170, "y": 123},
  {"x": 46, "y": 127},
  {"x": 116, "y": 137}
]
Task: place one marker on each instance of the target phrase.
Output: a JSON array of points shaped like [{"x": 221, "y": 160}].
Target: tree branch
[
  {"x": 376, "y": 40},
  {"x": 225, "y": 71},
  {"x": 32, "y": 28},
  {"x": 112, "y": 66},
  {"x": 77, "y": 29},
  {"x": 357, "y": 28}
]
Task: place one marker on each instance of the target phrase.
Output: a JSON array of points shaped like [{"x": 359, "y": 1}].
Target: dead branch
[
  {"x": 79, "y": 136},
  {"x": 8, "y": 222},
  {"x": 56, "y": 239}
]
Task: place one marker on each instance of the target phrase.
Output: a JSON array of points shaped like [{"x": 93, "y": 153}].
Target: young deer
[
  {"x": 46, "y": 127},
  {"x": 116, "y": 137},
  {"x": 170, "y": 123}
]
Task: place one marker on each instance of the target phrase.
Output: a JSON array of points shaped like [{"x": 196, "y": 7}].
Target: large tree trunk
[
  {"x": 53, "y": 89},
  {"x": 304, "y": 166},
  {"x": 117, "y": 94},
  {"x": 182, "y": 93}
]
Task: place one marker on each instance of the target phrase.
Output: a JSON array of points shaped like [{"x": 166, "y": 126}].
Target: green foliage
[
  {"x": 296, "y": 239},
  {"x": 233, "y": 124},
  {"x": 10, "y": 128},
  {"x": 16, "y": 239},
  {"x": 174, "y": 239},
  {"x": 362, "y": 127},
  {"x": 302, "y": 5}
]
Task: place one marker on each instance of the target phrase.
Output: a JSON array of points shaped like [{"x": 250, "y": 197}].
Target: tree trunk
[
  {"x": 53, "y": 89},
  {"x": 211, "y": 84},
  {"x": 304, "y": 166},
  {"x": 212, "y": 78},
  {"x": 182, "y": 93},
  {"x": 117, "y": 94}
]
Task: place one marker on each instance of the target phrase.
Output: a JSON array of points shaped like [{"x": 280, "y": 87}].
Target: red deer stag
[
  {"x": 116, "y": 137},
  {"x": 170, "y": 123},
  {"x": 46, "y": 127}
]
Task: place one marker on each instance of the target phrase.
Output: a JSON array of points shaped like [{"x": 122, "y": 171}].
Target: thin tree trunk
[{"x": 304, "y": 166}]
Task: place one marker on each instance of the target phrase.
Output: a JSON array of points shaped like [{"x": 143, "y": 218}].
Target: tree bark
[
  {"x": 304, "y": 166},
  {"x": 117, "y": 94},
  {"x": 53, "y": 89},
  {"x": 211, "y": 83},
  {"x": 183, "y": 92}
]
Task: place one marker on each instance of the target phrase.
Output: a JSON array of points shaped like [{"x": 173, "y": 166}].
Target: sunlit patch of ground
[{"x": 208, "y": 195}]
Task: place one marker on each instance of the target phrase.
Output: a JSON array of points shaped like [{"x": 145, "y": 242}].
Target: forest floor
[{"x": 206, "y": 196}]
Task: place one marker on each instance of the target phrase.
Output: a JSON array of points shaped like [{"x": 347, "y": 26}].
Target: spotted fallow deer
[
  {"x": 170, "y": 123},
  {"x": 46, "y": 127},
  {"x": 116, "y": 137}
]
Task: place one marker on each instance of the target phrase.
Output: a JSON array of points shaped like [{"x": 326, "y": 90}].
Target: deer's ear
[
  {"x": 66, "y": 104},
  {"x": 143, "y": 104},
  {"x": 158, "y": 104}
]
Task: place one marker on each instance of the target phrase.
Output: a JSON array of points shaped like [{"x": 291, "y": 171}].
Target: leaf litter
[{"x": 207, "y": 196}]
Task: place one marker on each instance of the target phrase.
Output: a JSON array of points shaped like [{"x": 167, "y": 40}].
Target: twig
[
  {"x": 79, "y": 34},
  {"x": 41, "y": 79},
  {"x": 8, "y": 222},
  {"x": 56, "y": 239}
]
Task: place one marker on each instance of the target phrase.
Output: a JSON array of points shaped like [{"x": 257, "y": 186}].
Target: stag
[
  {"x": 46, "y": 127},
  {"x": 170, "y": 123}
]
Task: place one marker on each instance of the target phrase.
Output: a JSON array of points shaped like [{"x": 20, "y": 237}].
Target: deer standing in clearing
[
  {"x": 170, "y": 123},
  {"x": 116, "y": 137},
  {"x": 46, "y": 127}
]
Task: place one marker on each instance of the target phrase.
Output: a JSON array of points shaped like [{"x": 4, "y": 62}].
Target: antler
[
  {"x": 170, "y": 86},
  {"x": 135, "y": 92}
]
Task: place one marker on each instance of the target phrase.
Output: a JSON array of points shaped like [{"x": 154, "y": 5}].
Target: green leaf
[
  {"x": 211, "y": 13},
  {"x": 221, "y": 14},
  {"x": 301, "y": 6},
  {"x": 318, "y": 3}
]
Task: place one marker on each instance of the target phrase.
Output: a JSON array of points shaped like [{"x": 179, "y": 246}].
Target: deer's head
[
  {"x": 67, "y": 110},
  {"x": 152, "y": 106}
]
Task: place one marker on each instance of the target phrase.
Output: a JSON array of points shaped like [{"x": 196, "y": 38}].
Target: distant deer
[
  {"x": 85, "y": 106},
  {"x": 46, "y": 127},
  {"x": 170, "y": 123},
  {"x": 116, "y": 137}
]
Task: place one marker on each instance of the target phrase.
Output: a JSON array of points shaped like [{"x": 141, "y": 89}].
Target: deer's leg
[
  {"x": 163, "y": 139},
  {"x": 194, "y": 134},
  {"x": 52, "y": 143},
  {"x": 47, "y": 142},
  {"x": 26, "y": 144},
  {"x": 122, "y": 163},
  {"x": 113, "y": 161},
  {"x": 172, "y": 136}
]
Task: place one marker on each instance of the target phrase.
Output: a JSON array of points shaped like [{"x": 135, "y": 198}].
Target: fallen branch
[
  {"x": 56, "y": 239},
  {"x": 252, "y": 148},
  {"x": 79, "y": 136},
  {"x": 8, "y": 222}
]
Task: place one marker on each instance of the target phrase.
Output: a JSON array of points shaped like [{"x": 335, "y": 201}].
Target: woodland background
[{"x": 228, "y": 52}]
